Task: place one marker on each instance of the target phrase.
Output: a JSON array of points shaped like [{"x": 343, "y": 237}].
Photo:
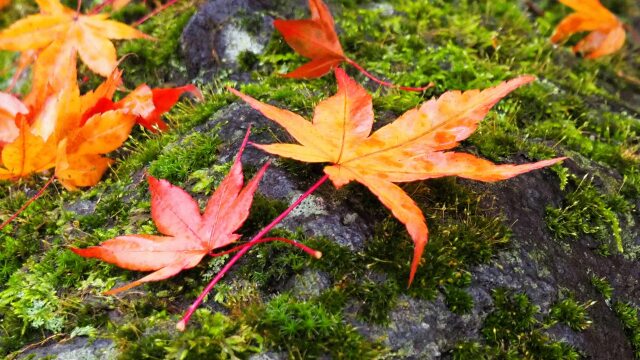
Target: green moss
[
  {"x": 586, "y": 211},
  {"x": 247, "y": 60},
  {"x": 377, "y": 299},
  {"x": 186, "y": 115},
  {"x": 269, "y": 265},
  {"x": 39, "y": 298},
  {"x": 306, "y": 330},
  {"x": 574, "y": 108},
  {"x": 263, "y": 211},
  {"x": 209, "y": 335},
  {"x": 571, "y": 313},
  {"x": 454, "y": 246},
  {"x": 157, "y": 62},
  {"x": 512, "y": 331},
  {"x": 630, "y": 319},
  {"x": 458, "y": 300},
  {"x": 194, "y": 152},
  {"x": 603, "y": 286},
  {"x": 27, "y": 234}
]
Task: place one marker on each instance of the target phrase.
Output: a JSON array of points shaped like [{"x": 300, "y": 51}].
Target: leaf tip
[
  {"x": 525, "y": 79},
  {"x": 194, "y": 91}
]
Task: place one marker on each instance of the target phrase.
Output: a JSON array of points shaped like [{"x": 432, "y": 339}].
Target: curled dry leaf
[
  {"x": 188, "y": 235},
  {"x": 411, "y": 148},
  {"x": 317, "y": 40},
  {"x": 61, "y": 30},
  {"x": 607, "y": 31}
]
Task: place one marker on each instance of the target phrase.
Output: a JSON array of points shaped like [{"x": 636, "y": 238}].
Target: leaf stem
[
  {"x": 154, "y": 13},
  {"x": 182, "y": 324},
  {"x": 100, "y": 6},
  {"x": 316, "y": 254},
  {"x": 34, "y": 198},
  {"x": 78, "y": 9},
  {"x": 385, "y": 83}
]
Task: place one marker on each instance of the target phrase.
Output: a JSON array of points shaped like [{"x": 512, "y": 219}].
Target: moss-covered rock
[{"x": 512, "y": 268}]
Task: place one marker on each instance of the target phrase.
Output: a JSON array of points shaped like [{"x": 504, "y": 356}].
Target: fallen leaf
[
  {"x": 163, "y": 100},
  {"x": 410, "y": 148},
  {"x": 188, "y": 235},
  {"x": 88, "y": 35},
  {"x": 58, "y": 127},
  {"x": 27, "y": 154},
  {"x": 10, "y": 107},
  {"x": 607, "y": 34},
  {"x": 317, "y": 40}
]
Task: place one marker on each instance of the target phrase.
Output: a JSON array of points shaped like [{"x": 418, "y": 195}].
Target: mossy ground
[{"x": 578, "y": 108}]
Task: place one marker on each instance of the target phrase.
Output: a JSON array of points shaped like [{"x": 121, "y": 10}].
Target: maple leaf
[
  {"x": 188, "y": 235},
  {"x": 607, "y": 31},
  {"x": 410, "y": 148},
  {"x": 148, "y": 104},
  {"x": 88, "y": 35},
  {"x": 72, "y": 132},
  {"x": 10, "y": 107},
  {"x": 27, "y": 153},
  {"x": 317, "y": 39}
]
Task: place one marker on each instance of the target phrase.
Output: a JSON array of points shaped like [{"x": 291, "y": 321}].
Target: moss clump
[
  {"x": 39, "y": 298},
  {"x": 25, "y": 235},
  {"x": 630, "y": 319},
  {"x": 209, "y": 335},
  {"x": 303, "y": 329},
  {"x": 306, "y": 330},
  {"x": 512, "y": 331},
  {"x": 458, "y": 300},
  {"x": 603, "y": 286},
  {"x": 196, "y": 151},
  {"x": 159, "y": 61},
  {"x": 571, "y": 313},
  {"x": 586, "y": 211},
  {"x": 269, "y": 265},
  {"x": 460, "y": 236}
]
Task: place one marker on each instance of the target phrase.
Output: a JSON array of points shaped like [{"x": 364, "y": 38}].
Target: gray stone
[
  {"x": 269, "y": 356},
  {"x": 223, "y": 29},
  {"x": 76, "y": 349},
  {"x": 82, "y": 207}
]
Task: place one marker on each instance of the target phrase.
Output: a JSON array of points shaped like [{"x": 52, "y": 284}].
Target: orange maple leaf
[
  {"x": 188, "y": 235},
  {"x": 410, "y": 148},
  {"x": 607, "y": 31},
  {"x": 27, "y": 153},
  {"x": 10, "y": 107},
  {"x": 72, "y": 132},
  {"x": 62, "y": 30},
  {"x": 317, "y": 39}
]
